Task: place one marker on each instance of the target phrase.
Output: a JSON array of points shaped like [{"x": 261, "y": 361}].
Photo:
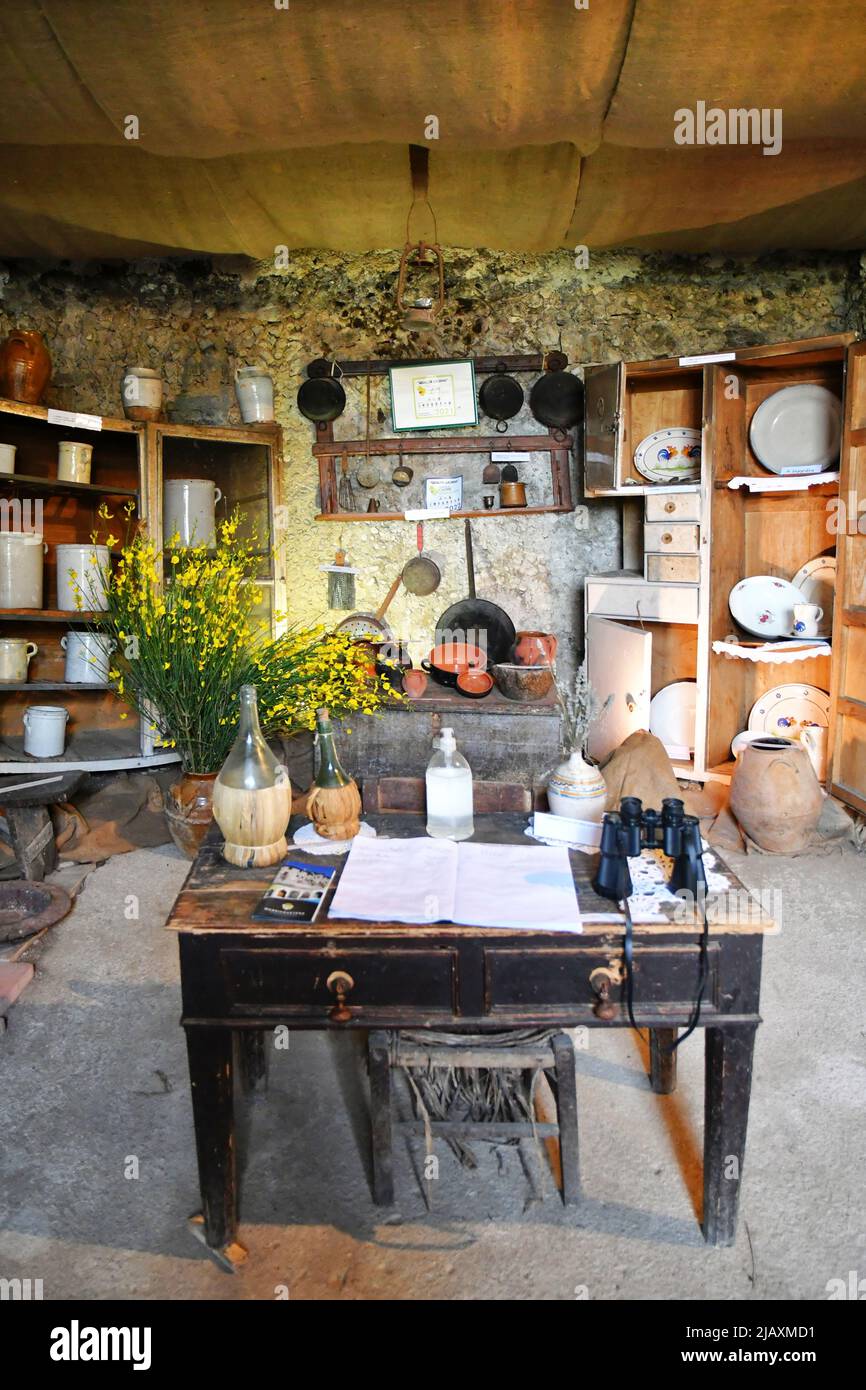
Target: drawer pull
[
  {"x": 600, "y": 981},
  {"x": 670, "y": 506},
  {"x": 341, "y": 984},
  {"x": 667, "y": 538}
]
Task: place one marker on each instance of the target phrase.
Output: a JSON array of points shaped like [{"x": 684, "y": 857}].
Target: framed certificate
[{"x": 433, "y": 395}]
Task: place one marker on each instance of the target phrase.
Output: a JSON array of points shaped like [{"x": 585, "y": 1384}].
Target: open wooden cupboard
[{"x": 663, "y": 616}]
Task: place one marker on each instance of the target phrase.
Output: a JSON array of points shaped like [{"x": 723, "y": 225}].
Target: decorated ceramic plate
[
  {"x": 797, "y": 430},
  {"x": 817, "y": 580},
  {"x": 764, "y": 604},
  {"x": 670, "y": 456},
  {"x": 672, "y": 715},
  {"x": 787, "y": 709}
]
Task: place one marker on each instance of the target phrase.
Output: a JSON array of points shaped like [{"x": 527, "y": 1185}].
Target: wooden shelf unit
[
  {"x": 741, "y": 533},
  {"x": 130, "y": 461}
]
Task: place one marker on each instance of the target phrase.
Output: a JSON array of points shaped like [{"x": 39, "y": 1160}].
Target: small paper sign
[
  {"x": 427, "y": 514},
  {"x": 510, "y": 456},
  {"x": 72, "y": 420},
  {"x": 706, "y": 357}
]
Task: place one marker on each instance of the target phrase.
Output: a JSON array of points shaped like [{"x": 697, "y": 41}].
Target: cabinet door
[
  {"x": 602, "y": 427},
  {"x": 619, "y": 663},
  {"x": 848, "y": 693}
]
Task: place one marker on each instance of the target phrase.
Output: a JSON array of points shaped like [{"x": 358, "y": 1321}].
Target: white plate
[
  {"x": 786, "y": 709},
  {"x": 797, "y": 430},
  {"x": 672, "y": 715},
  {"x": 764, "y": 604},
  {"x": 670, "y": 456},
  {"x": 817, "y": 579}
]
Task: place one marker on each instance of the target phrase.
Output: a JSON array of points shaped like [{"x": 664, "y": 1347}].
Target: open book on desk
[{"x": 421, "y": 880}]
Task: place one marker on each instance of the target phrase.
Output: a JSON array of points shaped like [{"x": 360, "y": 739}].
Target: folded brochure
[
  {"x": 421, "y": 880},
  {"x": 296, "y": 894}
]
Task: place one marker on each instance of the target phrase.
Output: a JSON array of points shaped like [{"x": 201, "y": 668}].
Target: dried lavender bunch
[{"x": 579, "y": 707}]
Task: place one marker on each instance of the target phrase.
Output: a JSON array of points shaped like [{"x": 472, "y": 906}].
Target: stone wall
[{"x": 197, "y": 320}]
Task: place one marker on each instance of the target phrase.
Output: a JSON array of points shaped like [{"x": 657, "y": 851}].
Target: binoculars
[{"x": 624, "y": 834}]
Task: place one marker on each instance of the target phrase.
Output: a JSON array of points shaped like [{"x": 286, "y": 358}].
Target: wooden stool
[{"x": 387, "y": 1050}]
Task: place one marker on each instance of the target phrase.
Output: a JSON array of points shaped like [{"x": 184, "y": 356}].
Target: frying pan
[
  {"x": 421, "y": 574},
  {"x": 321, "y": 399},
  {"x": 371, "y": 625},
  {"x": 500, "y": 398},
  {"x": 556, "y": 400},
  {"x": 479, "y": 615}
]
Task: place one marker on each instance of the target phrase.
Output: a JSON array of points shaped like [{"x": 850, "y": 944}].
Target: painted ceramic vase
[
  {"x": 577, "y": 789},
  {"x": 775, "y": 795}
]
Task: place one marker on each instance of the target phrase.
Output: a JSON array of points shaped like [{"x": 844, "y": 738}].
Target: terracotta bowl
[
  {"x": 523, "y": 682},
  {"x": 475, "y": 684}
]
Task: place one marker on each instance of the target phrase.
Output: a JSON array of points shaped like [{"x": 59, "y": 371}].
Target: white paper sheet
[{"x": 526, "y": 887}]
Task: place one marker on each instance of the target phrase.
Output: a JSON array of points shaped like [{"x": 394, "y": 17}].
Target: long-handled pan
[
  {"x": 476, "y": 619},
  {"x": 371, "y": 626}
]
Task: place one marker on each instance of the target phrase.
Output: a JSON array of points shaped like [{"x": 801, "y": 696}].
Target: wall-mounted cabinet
[{"x": 764, "y": 525}]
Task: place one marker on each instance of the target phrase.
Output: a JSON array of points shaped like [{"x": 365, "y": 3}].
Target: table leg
[
  {"x": 566, "y": 1105},
  {"x": 211, "y": 1075},
  {"x": 252, "y": 1057},
  {"x": 663, "y": 1062},
  {"x": 728, "y": 1085},
  {"x": 379, "y": 1054}
]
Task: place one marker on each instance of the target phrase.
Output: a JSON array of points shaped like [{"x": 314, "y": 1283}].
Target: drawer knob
[
  {"x": 341, "y": 984},
  {"x": 670, "y": 506},
  {"x": 667, "y": 538},
  {"x": 600, "y": 982}
]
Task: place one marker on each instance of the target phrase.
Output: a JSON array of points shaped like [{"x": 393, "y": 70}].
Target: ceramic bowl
[
  {"x": 523, "y": 682},
  {"x": 474, "y": 684}
]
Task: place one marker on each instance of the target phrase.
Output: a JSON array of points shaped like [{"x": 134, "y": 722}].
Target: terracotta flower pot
[
  {"x": 189, "y": 810},
  {"x": 775, "y": 795}
]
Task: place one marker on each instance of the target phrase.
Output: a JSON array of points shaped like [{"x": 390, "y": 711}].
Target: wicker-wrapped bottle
[
  {"x": 334, "y": 804},
  {"x": 252, "y": 798}
]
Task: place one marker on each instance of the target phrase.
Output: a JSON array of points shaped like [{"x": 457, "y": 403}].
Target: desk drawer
[
  {"x": 553, "y": 979},
  {"x": 272, "y": 980},
  {"x": 665, "y": 603}
]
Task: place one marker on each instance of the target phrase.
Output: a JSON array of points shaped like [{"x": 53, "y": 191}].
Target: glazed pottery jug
[
  {"x": 73, "y": 461},
  {"x": 82, "y": 577},
  {"x": 190, "y": 512},
  {"x": 25, "y": 366},
  {"x": 189, "y": 810},
  {"x": 255, "y": 393},
  {"x": 775, "y": 795},
  {"x": 87, "y": 657},
  {"x": 7, "y": 458},
  {"x": 534, "y": 649},
  {"x": 21, "y": 557},
  {"x": 814, "y": 739},
  {"x": 577, "y": 789},
  {"x": 45, "y": 730},
  {"x": 15, "y": 654},
  {"x": 141, "y": 390},
  {"x": 252, "y": 799},
  {"x": 414, "y": 683}
]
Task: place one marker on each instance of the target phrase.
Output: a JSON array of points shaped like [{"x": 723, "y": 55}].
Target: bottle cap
[{"x": 447, "y": 738}]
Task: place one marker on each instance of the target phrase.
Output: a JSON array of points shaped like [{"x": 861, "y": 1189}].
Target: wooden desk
[{"x": 240, "y": 978}]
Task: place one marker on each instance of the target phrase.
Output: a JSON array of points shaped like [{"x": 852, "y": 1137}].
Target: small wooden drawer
[
  {"x": 634, "y": 598},
  {"x": 271, "y": 980},
  {"x": 665, "y": 977},
  {"x": 673, "y": 569},
  {"x": 678, "y": 538},
  {"x": 673, "y": 506}
]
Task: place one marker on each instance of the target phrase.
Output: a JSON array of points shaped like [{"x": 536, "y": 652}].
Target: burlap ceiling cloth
[{"x": 261, "y": 126}]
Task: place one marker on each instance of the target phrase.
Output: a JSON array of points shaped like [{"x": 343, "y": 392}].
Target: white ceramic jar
[
  {"x": 15, "y": 654},
  {"x": 82, "y": 576},
  {"x": 45, "y": 730},
  {"x": 73, "y": 461},
  {"x": 7, "y": 458},
  {"x": 88, "y": 655},
  {"x": 255, "y": 392},
  {"x": 189, "y": 512},
  {"x": 141, "y": 390},
  {"x": 21, "y": 557},
  {"x": 577, "y": 789}
]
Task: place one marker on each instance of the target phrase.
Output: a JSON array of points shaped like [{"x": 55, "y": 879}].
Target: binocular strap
[{"x": 703, "y": 971}]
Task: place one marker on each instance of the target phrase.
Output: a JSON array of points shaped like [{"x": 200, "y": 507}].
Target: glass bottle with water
[{"x": 449, "y": 792}]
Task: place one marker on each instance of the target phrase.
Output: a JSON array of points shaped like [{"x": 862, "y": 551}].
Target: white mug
[
  {"x": 814, "y": 739},
  {"x": 15, "y": 654},
  {"x": 807, "y": 616},
  {"x": 45, "y": 730},
  {"x": 87, "y": 657},
  {"x": 73, "y": 461},
  {"x": 7, "y": 458}
]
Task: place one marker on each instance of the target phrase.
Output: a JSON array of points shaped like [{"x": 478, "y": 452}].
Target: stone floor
[{"x": 97, "y": 1170}]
